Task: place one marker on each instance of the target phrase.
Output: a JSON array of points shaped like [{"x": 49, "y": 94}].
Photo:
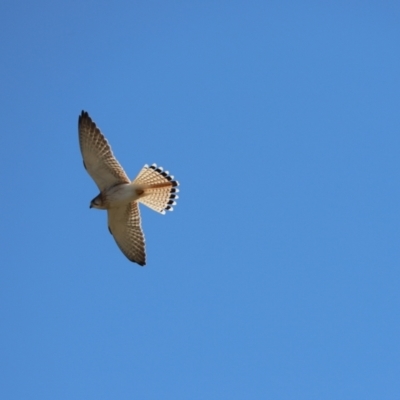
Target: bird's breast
[{"x": 121, "y": 194}]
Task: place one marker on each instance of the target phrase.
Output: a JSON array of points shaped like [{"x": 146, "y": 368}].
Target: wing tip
[{"x": 84, "y": 114}]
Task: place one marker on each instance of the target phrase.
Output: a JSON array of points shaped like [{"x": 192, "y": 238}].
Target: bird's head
[{"x": 97, "y": 202}]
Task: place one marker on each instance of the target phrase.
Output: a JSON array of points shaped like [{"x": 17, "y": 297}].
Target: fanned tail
[{"x": 159, "y": 188}]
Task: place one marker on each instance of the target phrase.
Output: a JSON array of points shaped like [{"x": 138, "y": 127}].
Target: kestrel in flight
[{"x": 119, "y": 195}]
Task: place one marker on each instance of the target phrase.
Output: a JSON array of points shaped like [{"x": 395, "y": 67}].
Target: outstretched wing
[
  {"x": 98, "y": 157},
  {"x": 124, "y": 225}
]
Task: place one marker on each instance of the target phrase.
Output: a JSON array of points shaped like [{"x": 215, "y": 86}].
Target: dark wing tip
[
  {"x": 84, "y": 117},
  {"x": 142, "y": 263}
]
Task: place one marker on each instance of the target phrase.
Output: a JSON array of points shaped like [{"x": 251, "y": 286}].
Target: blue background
[{"x": 277, "y": 275}]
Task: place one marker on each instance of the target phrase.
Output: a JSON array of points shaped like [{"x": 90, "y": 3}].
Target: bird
[{"x": 153, "y": 187}]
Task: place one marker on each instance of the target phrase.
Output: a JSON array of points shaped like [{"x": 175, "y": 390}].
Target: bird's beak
[{"x": 90, "y": 205}]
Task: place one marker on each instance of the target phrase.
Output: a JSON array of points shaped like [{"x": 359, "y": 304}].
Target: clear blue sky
[{"x": 277, "y": 275}]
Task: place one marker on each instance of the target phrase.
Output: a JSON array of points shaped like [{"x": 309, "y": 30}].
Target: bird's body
[
  {"x": 117, "y": 196},
  {"x": 120, "y": 196}
]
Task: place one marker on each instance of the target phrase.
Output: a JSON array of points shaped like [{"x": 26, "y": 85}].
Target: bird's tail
[{"x": 159, "y": 188}]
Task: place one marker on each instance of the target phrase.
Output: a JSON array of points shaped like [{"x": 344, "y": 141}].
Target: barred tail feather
[{"x": 159, "y": 188}]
